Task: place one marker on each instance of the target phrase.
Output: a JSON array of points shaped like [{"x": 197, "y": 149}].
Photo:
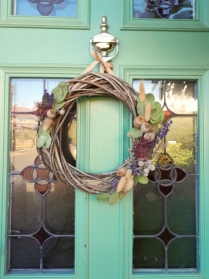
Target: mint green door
[{"x": 58, "y": 47}]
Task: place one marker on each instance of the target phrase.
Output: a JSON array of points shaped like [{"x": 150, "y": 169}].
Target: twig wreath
[{"x": 146, "y": 134}]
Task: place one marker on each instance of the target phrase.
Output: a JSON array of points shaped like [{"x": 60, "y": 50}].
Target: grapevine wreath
[{"x": 145, "y": 136}]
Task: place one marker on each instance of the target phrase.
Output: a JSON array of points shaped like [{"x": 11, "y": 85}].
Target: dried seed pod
[
  {"x": 145, "y": 127},
  {"x": 121, "y": 184},
  {"x": 147, "y": 114},
  {"x": 121, "y": 172},
  {"x": 138, "y": 121},
  {"x": 129, "y": 185},
  {"x": 51, "y": 113},
  {"x": 129, "y": 173},
  {"x": 149, "y": 137},
  {"x": 62, "y": 111},
  {"x": 141, "y": 91},
  {"x": 47, "y": 123}
]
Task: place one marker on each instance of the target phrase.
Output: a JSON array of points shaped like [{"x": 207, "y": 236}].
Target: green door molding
[{"x": 79, "y": 22}]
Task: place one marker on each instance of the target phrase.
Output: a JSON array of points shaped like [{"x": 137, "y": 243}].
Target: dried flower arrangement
[
  {"x": 146, "y": 139},
  {"x": 146, "y": 134}
]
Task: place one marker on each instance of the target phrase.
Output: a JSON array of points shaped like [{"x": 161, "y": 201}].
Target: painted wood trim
[
  {"x": 201, "y": 23},
  {"x": 81, "y": 210},
  {"x": 82, "y": 21},
  {"x": 202, "y": 77}
]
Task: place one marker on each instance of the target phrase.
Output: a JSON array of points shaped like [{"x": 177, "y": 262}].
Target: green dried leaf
[
  {"x": 104, "y": 197},
  {"x": 43, "y": 133},
  {"x": 64, "y": 88},
  {"x": 58, "y": 96},
  {"x": 155, "y": 127},
  {"x": 114, "y": 198},
  {"x": 41, "y": 140},
  {"x": 155, "y": 117},
  {"x": 122, "y": 195},
  {"x": 63, "y": 85},
  {"x": 143, "y": 179},
  {"x": 134, "y": 133},
  {"x": 141, "y": 108},
  {"x": 158, "y": 107},
  {"x": 48, "y": 142},
  {"x": 57, "y": 106},
  {"x": 151, "y": 98}
]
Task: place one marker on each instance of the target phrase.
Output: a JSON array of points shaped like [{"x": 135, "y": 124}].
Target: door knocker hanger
[{"x": 146, "y": 135}]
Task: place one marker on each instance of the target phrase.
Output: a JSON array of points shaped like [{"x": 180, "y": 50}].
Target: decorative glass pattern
[
  {"x": 166, "y": 209},
  {"x": 62, "y": 8},
  {"x": 171, "y": 9},
  {"x": 41, "y": 212}
]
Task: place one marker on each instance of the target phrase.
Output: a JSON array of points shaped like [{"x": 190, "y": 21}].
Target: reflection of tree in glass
[{"x": 182, "y": 138}]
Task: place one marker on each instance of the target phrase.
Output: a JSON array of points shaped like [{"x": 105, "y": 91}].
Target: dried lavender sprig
[{"x": 49, "y": 98}]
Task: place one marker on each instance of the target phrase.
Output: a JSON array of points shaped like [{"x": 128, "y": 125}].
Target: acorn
[
  {"x": 149, "y": 137},
  {"x": 121, "y": 184},
  {"x": 51, "y": 113},
  {"x": 145, "y": 127},
  {"x": 121, "y": 172},
  {"x": 138, "y": 121}
]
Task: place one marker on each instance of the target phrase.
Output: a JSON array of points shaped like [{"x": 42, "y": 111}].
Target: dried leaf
[
  {"x": 104, "y": 197},
  {"x": 48, "y": 142},
  {"x": 114, "y": 198},
  {"x": 44, "y": 133},
  {"x": 41, "y": 140},
  {"x": 57, "y": 106},
  {"x": 143, "y": 179},
  {"x": 122, "y": 195},
  {"x": 134, "y": 133}
]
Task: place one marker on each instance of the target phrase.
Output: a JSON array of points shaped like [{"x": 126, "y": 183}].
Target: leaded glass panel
[
  {"x": 60, "y": 8},
  {"x": 41, "y": 213},
  {"x": 171, "y": 9},
  {"x": 166, "y": 209}
]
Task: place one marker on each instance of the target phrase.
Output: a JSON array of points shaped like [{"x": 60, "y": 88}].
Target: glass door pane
[
  {"x": 41, "y": 213},
  {"x": 166, "y": 209}
]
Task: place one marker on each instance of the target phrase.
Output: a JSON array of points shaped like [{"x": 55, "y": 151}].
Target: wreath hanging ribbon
[{"x": 104, "y": 66}]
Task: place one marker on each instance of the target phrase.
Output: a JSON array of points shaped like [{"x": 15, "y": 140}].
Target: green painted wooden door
[{"x": 58, "y": 47}]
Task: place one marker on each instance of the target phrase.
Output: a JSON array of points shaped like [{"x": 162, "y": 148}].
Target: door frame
[
  {"x": 201, "y": 75},
  {"x": 81, "y": 228}
]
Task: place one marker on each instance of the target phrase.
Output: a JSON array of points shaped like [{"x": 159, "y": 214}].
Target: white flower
[
  {"x": 141, "y": 163},
  {"x": 146, "y": 170},
  {"x": 152, "y": 168},
  {"x": 149, "y": 162},
  {"x": 146, "y": 174},
  {"x": 149, "y": 167}
]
